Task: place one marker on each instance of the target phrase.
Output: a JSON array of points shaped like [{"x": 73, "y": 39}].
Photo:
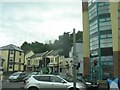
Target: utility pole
[{"x": 74, "y": 60}]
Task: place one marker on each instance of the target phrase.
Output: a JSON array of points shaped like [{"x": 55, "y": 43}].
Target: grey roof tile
[{"x": 11, "y": 47}]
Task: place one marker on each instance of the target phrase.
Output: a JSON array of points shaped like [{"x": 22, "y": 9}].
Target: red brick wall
[
  {"x": 86, "y": 66},
  {"x": 116, "y": 55},
  {"x": 85, "y": 6}
]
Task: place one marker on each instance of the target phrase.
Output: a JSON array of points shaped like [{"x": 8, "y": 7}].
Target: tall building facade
[
  {"x": 100, "y": 27},
  {"x": 14, "y": 58},
  {"x": 100, "y": 38},
  {"x": 115, "y": 23},
  {"x": 86, "y": 48}
]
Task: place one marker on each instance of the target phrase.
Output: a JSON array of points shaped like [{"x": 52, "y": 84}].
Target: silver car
[
  {"x": 17, "y": 76},
  {"x": 36, "y": 82},
  {"x": 28, "y": 76}
]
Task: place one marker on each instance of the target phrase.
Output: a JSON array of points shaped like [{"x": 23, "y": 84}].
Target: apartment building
[
  {"x": 115, "y": 24},
  {"x": 14, "y": 58},
  {"x": 101, "y": 38}
]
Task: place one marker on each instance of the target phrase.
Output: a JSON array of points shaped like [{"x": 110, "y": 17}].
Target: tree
[
  {"x": 26, "y": 47},
  {"x": 36, "y": 47},
  {"x": 64, "y": 44}
]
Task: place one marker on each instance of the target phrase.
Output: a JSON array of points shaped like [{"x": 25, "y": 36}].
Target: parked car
[
  {"x": 17, "y": 76},
  {"x": 28, "y": 76},
  {"x": 91, "y": 84},
  {"x": 36, "y": 82}
]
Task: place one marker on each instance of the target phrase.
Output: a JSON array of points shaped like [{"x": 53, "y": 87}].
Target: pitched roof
[
  {"x": 11, "y": 47},
  {"x": 38, "y": 55},
  {"x": 54, "y": 53}
]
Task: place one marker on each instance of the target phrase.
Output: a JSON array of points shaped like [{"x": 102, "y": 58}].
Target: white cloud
[
  {"x": 40, "y": 1},
  {"x": 34, "y": 22}
]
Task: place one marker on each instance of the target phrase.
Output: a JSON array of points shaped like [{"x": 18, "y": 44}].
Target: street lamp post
[{"x": 74, "y": 60}]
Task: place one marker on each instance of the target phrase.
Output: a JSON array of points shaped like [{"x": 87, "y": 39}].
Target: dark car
[{"x": 17, "y": 76}]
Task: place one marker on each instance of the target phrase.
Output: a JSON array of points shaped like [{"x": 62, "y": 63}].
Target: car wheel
[{"x": 33, "y": 88}]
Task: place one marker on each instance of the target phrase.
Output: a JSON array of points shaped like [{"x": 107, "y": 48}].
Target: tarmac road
[{"x": 6, "y": 85}]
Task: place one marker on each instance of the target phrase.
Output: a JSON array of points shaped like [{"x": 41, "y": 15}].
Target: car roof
[
  {"x": 18, "y": 72},
  {"x": 44, "y": 75}
]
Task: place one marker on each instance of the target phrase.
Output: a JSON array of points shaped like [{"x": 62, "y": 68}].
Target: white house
[{"x": 79, "y": 50}]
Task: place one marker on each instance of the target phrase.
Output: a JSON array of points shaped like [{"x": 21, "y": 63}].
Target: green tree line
[{"x": 64, "y": 44}]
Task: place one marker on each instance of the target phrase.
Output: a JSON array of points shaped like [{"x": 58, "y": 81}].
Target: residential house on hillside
[
  {"x": 14, "y": 58},
  {"x": 27, "y": 60},
  {"x": 65, "y": 67},
  {"x": 54, "y": 62},
  {"x": 47, "y": 62},
  {"x": 37, "y": 61}
]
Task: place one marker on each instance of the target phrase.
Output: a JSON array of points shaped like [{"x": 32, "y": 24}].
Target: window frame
[{"x": 42, "y": 78}]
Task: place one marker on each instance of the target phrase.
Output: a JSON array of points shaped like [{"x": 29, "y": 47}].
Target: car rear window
[{"x": 42, "y": 78}]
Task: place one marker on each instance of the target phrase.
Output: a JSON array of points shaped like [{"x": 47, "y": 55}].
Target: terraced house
[
  {"x": 13, "y": 57},
  {"x": 35, "y": 61}
]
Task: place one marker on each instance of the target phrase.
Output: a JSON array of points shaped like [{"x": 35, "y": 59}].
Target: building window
[
  {"x": 105, "y": 28},
  {"x": 105, "y": 23},
  {"x": 119, "y": 32},
  {"x": 93, "y": 47},
  {"x": 52, "y": 60},
  {"x": 20, "y": 53},
  {"x": 104, "y": 11},
  {"x": 66, "y": 61},
  {"x": 11, "y": 59},
  {"x": 19, "y": 67},
  {"x": 28, "y": 62},
  {"x": 106, "y": 7},
  {"x": 11, "y": 51},
  {"x": 56, "y": 60},
  {"x": 10, "y": 66},
  {"x": 60, "y": 69},
  {"x": 19, "y": 60},
  {"x": 36, "y": 61},
  {"x": 101, "y": 4},
  {"x": 118, "y": 13}
]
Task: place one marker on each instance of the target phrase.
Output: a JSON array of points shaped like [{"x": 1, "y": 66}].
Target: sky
[{"x": 38, "y": 20}]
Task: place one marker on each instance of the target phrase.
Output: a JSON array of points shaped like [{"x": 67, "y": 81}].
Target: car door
[
  {"x": 44, "y": 82},
  {"x": 58, "y": 82},
  {"x": 21, "y": 76}
]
